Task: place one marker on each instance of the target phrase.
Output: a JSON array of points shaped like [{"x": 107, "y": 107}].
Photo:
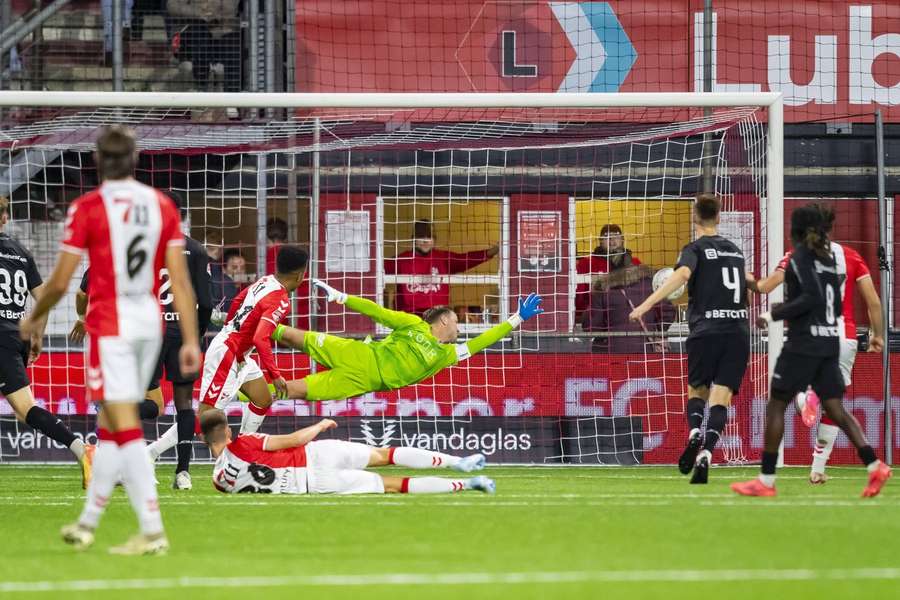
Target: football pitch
[{"x": 547, "y": 533}]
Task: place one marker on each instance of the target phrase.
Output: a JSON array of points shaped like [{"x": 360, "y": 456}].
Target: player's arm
[
  {"x": 81, "y": 305},
  {"x": 262, "y": 340},
  {"x": 186, "y": 305},
  {"x": 767, "y": 284},
  {"x": 678, "y": 278},
  {"x": 528, "y": 307},
  {"x": 809, "y": 297},
  {"x": 873, "y": 308},
  {"x": 202, "y": 284},
  {"x": 460, "y": 262},
  {"x": 392, "y": 319},
  {"x": 301, "y": 437}
]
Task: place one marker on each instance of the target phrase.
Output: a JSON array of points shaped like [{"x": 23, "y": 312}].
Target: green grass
[{"x": 563, "y": 533}]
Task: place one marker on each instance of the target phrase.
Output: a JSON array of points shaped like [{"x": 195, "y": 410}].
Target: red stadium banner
[
  {"x": 541, "y": 388},
  {"x": 832, "y": 59}
]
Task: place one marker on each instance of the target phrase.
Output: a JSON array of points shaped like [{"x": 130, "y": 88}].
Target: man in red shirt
[
  {"x": 129, "y": 231},
  {"x": 609, "y": 255},
  {"x": 427, "y": 264}
]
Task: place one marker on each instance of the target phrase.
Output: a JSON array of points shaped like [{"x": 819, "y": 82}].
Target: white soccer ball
[{"x": 660, "y": 278}]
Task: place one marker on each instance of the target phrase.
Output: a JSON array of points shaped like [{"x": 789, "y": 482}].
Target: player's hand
[
  {"x": 77, "y": 333},
  {"x": 530, "y": 307},
  {"x": 637, "y": 313},
  {"x": 763, "y": 320},
  {"x": 37, "y": 344},
  {"x": 281, "y": 388},
  {"x": 332, "y": 294},
  {"x": 876, "y": 344},
  {"x": 326, "y": 424},
  {"x": 189, "y": 359}
]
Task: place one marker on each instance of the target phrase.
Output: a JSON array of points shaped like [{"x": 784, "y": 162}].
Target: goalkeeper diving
[{"x": 416, "y": 349}]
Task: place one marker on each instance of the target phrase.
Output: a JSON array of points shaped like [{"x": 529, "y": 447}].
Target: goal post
[{"x": 536, "y": 175}]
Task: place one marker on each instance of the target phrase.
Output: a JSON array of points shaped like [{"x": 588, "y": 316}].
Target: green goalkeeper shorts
[{"x": 351, "y": 363}]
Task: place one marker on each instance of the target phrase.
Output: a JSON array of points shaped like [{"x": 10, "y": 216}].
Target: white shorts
[
  {"x": 337, "y": 467},
  {"x": 847, "y": 358},
  {"x": 119, "y": 369},
  {"x": 223, "y": 375}
]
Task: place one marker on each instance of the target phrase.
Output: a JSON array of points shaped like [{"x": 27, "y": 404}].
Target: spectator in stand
[
  {"x": 427, "y": 263},
  {"x": 209, "y": 35},
  {"x": 609, "y": 255},
  {"x": 613, "y": 297},
  {"x": 224, "y": 289},
  {"x": 236, "y": 267}
]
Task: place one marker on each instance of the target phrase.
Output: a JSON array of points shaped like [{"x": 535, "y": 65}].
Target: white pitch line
[{"x": 477, "y": 578}]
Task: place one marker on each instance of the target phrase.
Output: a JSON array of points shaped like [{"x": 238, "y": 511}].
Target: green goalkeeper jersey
[{"x": 411, "y": 353}]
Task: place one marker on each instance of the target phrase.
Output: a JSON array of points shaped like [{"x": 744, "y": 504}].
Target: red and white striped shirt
[
  {"x": 253, "y": 317},
  {"x": 124, "y": 228},
  {"x": 853, "y": 268},
  {"x": 246, "y": 466}
]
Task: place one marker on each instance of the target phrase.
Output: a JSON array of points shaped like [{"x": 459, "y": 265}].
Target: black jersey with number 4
[
  {"x": 18, "y": 276},
  {"x": 813, "y": 304},
  {"x": 198, "y": 267},
  {"x": 717, "y": 289}
]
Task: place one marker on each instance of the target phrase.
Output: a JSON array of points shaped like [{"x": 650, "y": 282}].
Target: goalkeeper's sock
[
  {"x": 718, "y": 416},
  {"x": 165, "y": 442},
  {"x": 416, "y": 458},
  {"x": 431, "y": 485},
  {"x": 184, "y": 423},
  {"x": 826, "y": 434},
  {"x": 695, "y": 408},
  {"x": 252, "y": 417},
  {"x": 105, "y": 473},
  {"x": 140, "y": 483}
]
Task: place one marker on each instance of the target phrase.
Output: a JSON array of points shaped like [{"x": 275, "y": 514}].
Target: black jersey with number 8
[
  {"x": 18, "y": 276},
  {"x": 813, "y": 304},
  {"x": 717, "y": 289}
]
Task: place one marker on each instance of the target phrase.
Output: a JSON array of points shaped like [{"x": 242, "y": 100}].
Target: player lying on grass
[
  {"x": 416, "y": 349},
  {"x": 228, "y": 366},
  {"x": 855, "y": 273},
  {"x": 811, "y": 351},
  {"x": 718, "y": 346},
  {"x": 296, "y": 464}
]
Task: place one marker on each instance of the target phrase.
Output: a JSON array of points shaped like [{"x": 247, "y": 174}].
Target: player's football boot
[
  {"x": 816, "y": 478},
  {"x": 182, "y": 481},
  {"x": 754, "y": 487},
  {"x": 809, "y": 410},
  {"x": 467, "y": 464},
  {"x": 87, "y": 465},
  {"x": 689, "y": 456},
  {"x": 140, "y": 544},
  {"x": 701, "y": 468},
  {"x": 77, "y": 535},
  {"x": 483, "y": 484},
  {"x": 877, "y": 479}
]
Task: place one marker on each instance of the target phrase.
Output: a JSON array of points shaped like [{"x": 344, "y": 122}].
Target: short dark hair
[
  {"x": 116, "y": 152},
  {"x": 610, "y": 229},
  {"x": 277, "y": 229},
  {"x": 178, "y": 200},
  {"x": 422, "y": 229},
  {"x": 434, "y": 314},
  {"x": 707, "y": 207},
  {"x": 213, "y": 424},
  {"x": 291, "y": 259},
  {"x": 230, "y": 253}
]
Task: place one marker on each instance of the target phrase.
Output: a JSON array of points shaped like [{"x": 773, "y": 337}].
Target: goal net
[{"x": 473, "y": 201}]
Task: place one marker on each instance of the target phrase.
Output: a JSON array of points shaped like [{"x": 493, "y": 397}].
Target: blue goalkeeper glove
[
  {"x": 530, "y": 306},
  {"x": 330, "y": 293}
]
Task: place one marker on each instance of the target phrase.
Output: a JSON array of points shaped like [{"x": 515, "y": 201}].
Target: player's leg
[
  {"x": 699, "y": 378},
  {"x": 253, "y": 384},
  {"x": 829, "y": 384},
  {"x": 418, "y": 458},
  {"x": 436, "y": 485},
  {"x": 185, "y": 423},
  {"x": 827, "y": 430}
]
